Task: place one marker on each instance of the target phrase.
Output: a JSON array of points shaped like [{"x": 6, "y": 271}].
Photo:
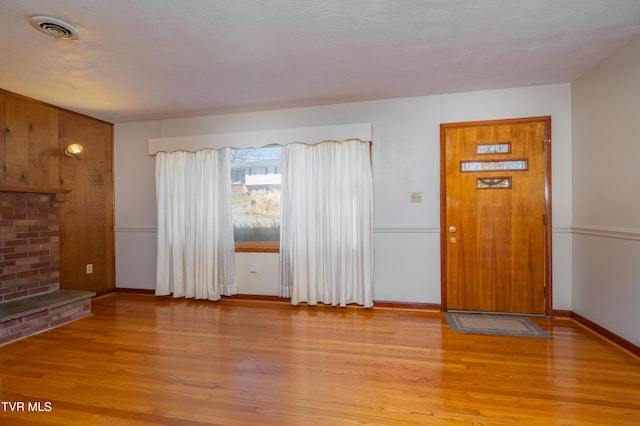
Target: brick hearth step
[{"x": 23, "y": 317}]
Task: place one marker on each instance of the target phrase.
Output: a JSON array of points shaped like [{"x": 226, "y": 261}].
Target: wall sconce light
[{"x": 73, "y": 150}]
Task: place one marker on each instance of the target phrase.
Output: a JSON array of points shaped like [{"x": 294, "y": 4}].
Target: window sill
[{"x": 257, "y": 247}]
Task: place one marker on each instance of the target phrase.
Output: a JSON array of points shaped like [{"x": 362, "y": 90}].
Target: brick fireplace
[
  {"x": 29, "y": 244},
  {"x": 30, "y": 295}
]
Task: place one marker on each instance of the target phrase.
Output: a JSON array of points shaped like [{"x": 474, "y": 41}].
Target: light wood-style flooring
[{"x": 159, "y": 361}]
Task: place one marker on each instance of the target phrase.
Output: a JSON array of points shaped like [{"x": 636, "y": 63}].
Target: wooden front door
[{"x": 496, "y": 216}]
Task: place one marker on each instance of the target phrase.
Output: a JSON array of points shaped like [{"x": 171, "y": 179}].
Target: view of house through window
[{"x": 255, "y": 195}]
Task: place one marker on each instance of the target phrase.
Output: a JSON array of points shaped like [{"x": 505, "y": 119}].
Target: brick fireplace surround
[{"x": 30, "y": 297}]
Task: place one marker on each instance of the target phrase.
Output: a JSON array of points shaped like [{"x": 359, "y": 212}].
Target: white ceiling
[{"x": 152, "y": 59}]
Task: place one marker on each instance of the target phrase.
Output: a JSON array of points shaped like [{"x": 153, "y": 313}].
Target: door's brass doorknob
[
  {"x": 453, "y": 240},
  {"x": 452, "y": 229}
]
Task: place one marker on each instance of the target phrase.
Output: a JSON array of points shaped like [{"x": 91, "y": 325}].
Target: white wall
[
  {"x": 406, "y": 156},
  {"x": 606, "y": 188},
  {"x": 135, "y": 204}
]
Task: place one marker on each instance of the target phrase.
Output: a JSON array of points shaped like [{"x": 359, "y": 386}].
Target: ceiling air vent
[{"x": 55, "y": 27}]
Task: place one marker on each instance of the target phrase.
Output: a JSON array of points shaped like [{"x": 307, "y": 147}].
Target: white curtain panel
[
  {"x": 195, "y": 252},
  {"x": 326, "y": 231}
]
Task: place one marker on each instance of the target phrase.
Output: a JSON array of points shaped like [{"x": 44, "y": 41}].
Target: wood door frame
[{"x": 548, "y": 231}]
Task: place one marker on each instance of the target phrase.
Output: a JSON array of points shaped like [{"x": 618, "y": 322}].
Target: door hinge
[{"x": 545, "y": 142}]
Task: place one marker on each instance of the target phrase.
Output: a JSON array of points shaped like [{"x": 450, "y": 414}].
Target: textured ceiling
[{"x": 152, "y": 59}]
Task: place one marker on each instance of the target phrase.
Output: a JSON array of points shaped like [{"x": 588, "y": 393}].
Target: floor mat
[{"x": 494, "y": 324}]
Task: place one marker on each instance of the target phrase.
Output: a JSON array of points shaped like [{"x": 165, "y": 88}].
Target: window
[{"x": 255, "y": 198}]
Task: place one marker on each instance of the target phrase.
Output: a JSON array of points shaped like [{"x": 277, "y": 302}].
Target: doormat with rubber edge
[{"x": 495, "y": 324}]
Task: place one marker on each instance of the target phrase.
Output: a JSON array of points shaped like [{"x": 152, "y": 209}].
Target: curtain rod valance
[{"x": 260, "y": 138}]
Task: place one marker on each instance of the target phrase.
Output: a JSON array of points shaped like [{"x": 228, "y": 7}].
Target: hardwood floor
[{"x": 158, "y": 361}]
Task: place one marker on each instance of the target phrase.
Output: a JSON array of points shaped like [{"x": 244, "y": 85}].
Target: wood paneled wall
[
  {"x": 30, "y": 143},
  {"x": 31, "y": 155}
]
